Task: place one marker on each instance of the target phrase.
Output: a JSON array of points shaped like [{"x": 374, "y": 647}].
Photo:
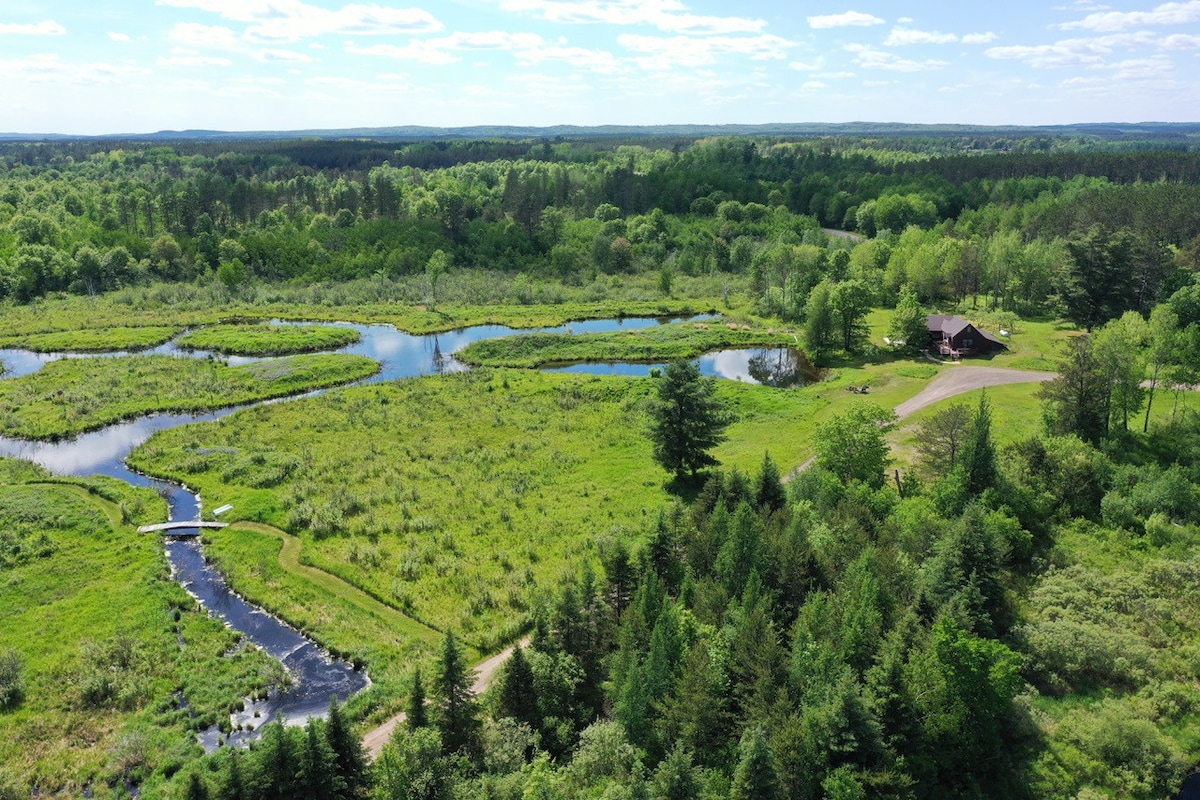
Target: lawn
[{"x": 68, "y": 397}]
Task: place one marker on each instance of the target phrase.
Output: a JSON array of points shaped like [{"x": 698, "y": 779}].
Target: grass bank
[
  {"x": 94, "y": 340},
  {"x": 68, "y": 397},
  {"x": 671, "y": 342},
  {"x": 268, "y": 340}
]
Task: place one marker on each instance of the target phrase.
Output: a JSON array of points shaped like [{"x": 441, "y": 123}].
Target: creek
[{"x": 315, "y": 677}]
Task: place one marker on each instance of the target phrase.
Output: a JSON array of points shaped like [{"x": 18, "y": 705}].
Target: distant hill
[{"x": 1106, "y": 130}]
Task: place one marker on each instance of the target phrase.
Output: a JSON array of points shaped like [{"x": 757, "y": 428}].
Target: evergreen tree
[
  {"x": 687, "y": 420},
  {"x": 517, "y": 698},
  {"x": 233, "y": 785},
  {"x": 417, "y": 715},
  {"x": 676, "y": 777},
  {"x": 350, "y": 761},
  {"x": 457, "y": 710},
  {"x": 196, "y": 788},
  {"x": 277, "y": 762},
  {"x": 319, "y": 779},
  {"x": 768, "y": 488},
  {"x": 979, "y": 470},
  {"x": 756, "y": 777}
]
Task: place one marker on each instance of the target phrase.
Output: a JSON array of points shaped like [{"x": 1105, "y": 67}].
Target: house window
[{"x": 968, "y": 342}]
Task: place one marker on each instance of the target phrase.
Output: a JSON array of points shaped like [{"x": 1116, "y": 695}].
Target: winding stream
[{"x": 315, "y": 676}]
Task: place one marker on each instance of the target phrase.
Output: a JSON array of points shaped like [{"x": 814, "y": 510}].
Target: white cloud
[
  {"x": 283, "y": 57},
  {"x": 906, "y": 36},
  {"x": 293, "y": 20},
  {"x": 979, "y": 38},
  {"x": 119, "y": 37},
  {"x": 49, "y": 68},
  {"x": 803, "y": 67},
  {"x": 870, "y": 58},
  {"x": 181, "y": 59},
  {"x": 670, "y": 16},
  {"x": 1072, "y": 52},
  {"x": 844, "y": 20},
  {"x": 1165, "y": 14},
  {"x": 664, "y": 53},
  {"x": 47, "y": 28},
  {"x": 527, "y": 49},
  {"x": 194, "y": 34},
  {"x": 812, "y": 86},
  {"x": 1181, "y": 41}
]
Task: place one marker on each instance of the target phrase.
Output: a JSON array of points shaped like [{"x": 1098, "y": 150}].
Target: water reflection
[{"x": 779, "y": 367}]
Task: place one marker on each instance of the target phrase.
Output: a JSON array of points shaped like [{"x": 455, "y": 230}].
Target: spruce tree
[
  {"x": 517, "y": 698},
  {"x": 768, "y": 488},
  {"x": 417, "y": 717},
  {"x": 687, "y": 420},
  {"x": 349, "y": 759},
  {"x": 979, "y": 453},
  {"x": 319, "y": 777},
  {"x": 458, "y": 712},
  {"x": 756, "y": 777},
  {"x": 195, "y": 789},
  {"x": 233, "y": 786}
]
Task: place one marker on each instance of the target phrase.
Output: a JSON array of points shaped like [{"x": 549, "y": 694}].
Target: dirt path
[
  {"x": 960, "y": 380},
  {"x": 854, "y": 237},
  {"x": 376, "y": 738},
  {"x": 949, "y": 383}
]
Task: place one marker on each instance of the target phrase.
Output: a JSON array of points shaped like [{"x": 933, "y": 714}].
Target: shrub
[{"x": 12, "y": 682}]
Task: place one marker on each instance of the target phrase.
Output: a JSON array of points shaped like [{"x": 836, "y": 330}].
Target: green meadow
[
  {"x": 268, "y": 340},
  {"x": 74, "y": 395},
  {"x": 670, "y": 342},
  {"x": 96, "y": 340},
  {"x": 454, "y": 498},
  {"x": 119, "y": 666}
]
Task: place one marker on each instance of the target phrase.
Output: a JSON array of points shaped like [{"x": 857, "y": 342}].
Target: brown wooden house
[{"x": 955, "y": 337}]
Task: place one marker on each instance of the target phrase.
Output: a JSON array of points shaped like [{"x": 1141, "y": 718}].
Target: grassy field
[
  {"x": 94, "y": 340},
  {"x": 680, "y": 340},
  {"x": 268, "y": 340},
  {"x": 109, "y": 643},
  {"x": 75, "y": 395},
  {"x": 453, "y": 498}
]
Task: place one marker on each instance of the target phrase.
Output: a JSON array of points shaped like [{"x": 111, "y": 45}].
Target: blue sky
[{"x": 114, "y": 66}]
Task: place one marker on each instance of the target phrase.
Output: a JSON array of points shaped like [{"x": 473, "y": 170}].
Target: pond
[{"x": 315, "y": 676}]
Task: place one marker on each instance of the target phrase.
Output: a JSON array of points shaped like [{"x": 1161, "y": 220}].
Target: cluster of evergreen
[{"x": 1025, "y": 230}]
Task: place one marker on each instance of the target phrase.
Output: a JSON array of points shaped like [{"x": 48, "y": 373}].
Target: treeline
[{"x": 80, "y": 218}]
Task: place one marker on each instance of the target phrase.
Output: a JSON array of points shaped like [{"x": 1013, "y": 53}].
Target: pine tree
[
  {"x": 688, "y": 420},
  {"x": 756, "y": 777},
  {"x": 676, "y": 777},
  {"x": 350, "y": 761},
  {"x": 979, "y": 453},
  {"x": 457, "y": 710},
  {"x": 417, "y": 717},
  {"x": 319, "y": 777},
  {"x": 196, "y": 789},
  {"x": 768, "y": 489},
  {"x": 517, "y": 698},
  {"x": 233, "y": 786}
]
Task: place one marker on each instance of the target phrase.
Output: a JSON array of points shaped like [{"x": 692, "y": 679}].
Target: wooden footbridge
[{"x": 175, "y": 526}]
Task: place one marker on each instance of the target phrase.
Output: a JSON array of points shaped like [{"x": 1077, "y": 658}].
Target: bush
[{"x": 12, "y": 682}]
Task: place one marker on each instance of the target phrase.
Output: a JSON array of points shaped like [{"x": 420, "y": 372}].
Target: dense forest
[{"x": 955, "y": 614}]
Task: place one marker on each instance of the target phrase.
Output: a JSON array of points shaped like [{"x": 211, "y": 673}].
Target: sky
[{"x": 139, "y": 66}]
